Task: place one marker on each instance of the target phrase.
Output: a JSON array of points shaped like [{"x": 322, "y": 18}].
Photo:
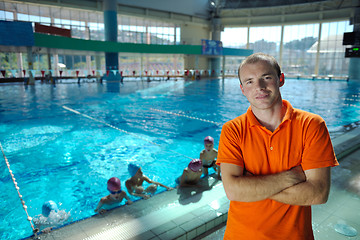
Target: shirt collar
[{"x": 254, "y": 122}]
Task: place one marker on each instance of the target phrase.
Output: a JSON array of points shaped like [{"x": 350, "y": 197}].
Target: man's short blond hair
[{"x": 257, "y": 57}]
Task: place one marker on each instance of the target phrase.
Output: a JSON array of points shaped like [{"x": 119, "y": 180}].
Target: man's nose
[{"x": 261, "y": 84}]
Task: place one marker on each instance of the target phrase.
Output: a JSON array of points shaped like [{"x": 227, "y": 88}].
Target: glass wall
[
  {"x": 332, "y": 52},
  {"x": 302, "y": 49},
  {"x": 297, "y": 59},
  {"x": 89, "y": 25},
  {"x": 235, "y": 37},
  {"x": 298, "y": 53},
  {"x": 8, "y": 60},
  {"x": 151, "y": 65},
  {"x": 265, "y": 39}
]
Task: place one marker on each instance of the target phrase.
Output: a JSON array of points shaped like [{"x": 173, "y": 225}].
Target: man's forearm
[
  {"x": 255, "y": 188},
  {"x": 315, "y": 190}
]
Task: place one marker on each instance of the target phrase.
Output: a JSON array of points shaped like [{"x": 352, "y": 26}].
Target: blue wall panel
[{"x": 16, "y": 33}]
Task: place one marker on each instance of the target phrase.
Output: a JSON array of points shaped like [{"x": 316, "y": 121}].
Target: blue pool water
[{"x": 67, "y": 157}]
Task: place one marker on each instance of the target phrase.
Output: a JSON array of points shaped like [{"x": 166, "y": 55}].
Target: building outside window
[
  {"x": 300, "y": 53},
  {"x": 296, "y": 59},
  {"x": 332, "y": 52}
]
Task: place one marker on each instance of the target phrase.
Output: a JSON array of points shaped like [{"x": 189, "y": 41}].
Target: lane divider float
[
  {"x": 35, "y": 230},
  {"x": 119, "y": 129},
  {"x": 186, "y": 116}
]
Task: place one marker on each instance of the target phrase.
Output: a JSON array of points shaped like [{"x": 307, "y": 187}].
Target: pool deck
[{"x": 195, "y": 213}]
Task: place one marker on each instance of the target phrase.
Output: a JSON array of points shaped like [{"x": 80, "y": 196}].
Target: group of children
[
  {"x": 52, "y": 216},
  {"x": 134, "y": 185}
]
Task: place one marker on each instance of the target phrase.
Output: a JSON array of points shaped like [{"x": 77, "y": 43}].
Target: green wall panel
[{"x": 50, "y": 41}]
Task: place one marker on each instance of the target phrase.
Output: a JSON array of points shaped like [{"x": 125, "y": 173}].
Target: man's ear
[
  {"x": 282, "y": 79},
  {"x": 241, "y": 87}
]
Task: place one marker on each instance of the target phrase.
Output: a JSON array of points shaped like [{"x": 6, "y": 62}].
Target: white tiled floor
[{"x": 182, "y": 214}]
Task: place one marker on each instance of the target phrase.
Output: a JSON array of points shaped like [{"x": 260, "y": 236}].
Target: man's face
[{"x": 260, "y": 85}]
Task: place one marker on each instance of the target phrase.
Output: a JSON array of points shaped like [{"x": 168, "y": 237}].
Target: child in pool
[
  {"x": 116, "y": 195},
  {"x": 208, "y": 156},
  {"x": 134, "y": 184},
  {"x": 191, "y": 174},
  {"x": 51, "y": 217}
]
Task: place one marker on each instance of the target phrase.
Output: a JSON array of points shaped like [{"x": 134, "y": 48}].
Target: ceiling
[
  {"x": 234, "y": 13},
  {"x": 264, "y": 3}
]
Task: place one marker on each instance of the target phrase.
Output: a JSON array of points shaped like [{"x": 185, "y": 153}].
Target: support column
[
  {"x": 196, "y": 62},
  {"x": 110, "y": 24},
  {"x": 223, "y": 67},
  {"x": 216, "y": 35},
  {"x": 56, "y": 64},
  {"x": 281, "y": 46},
  {"x": 98, "y": 64},
  {"x": 248, "y": 38},
  {"x": 19, "y": 63},
  {"x": 317, "y": 59},
  {"x": 354, "y": 63},
  {"x": 49, "y": 74},
  {"x": 141, "y": 65},
  {"x": 30, "y": 59},
  {"x": 88, "y": 64},
  {"x": 48, "y": 58}
]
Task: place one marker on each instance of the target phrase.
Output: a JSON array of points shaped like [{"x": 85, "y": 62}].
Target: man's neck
[{"x": 272, "y": 117}]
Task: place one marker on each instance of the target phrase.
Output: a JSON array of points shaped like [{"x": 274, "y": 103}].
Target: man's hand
[{"x": 298, "y": 174}]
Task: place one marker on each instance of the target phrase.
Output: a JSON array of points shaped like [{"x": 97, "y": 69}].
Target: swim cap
[
  {"x": 208, "y": 139},
  {"x": 113, "y": 184},
  {"x": 48, "y": 206},
  {"x": 132, "y": 168},
  {"x": 195, "y": 165}
]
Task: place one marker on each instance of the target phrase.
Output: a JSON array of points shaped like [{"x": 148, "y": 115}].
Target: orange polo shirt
[{"x": 301, "y": 138}]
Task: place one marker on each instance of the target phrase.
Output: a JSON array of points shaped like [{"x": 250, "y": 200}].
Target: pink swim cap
[
  {"x": 208, "y": 139},
  {"x": 195, "y": 165},
  {"x": 113, "y": 184}
]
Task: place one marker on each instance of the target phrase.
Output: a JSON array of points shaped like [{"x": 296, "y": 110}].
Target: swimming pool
[{"x": 64, "y": 142}]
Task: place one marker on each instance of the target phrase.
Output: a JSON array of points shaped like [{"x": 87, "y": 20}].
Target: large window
[
  {"x": 96, "y": 26},
  {"x": 7, "y": 11},
  {"x": 332, "y": 61},
  {"x": 266, "y": 40},
  {"x": 140, "y": 30},
  {"x": 90, "y": 25},
  {"x": 234, "y": 37},
  {"x": 297, "y": 58},
  {"x": 151, "y": 65},
  {"x": 300, "y": 53}
]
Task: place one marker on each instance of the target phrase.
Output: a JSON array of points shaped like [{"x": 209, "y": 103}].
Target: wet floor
[{"x": 342, "y": 208}]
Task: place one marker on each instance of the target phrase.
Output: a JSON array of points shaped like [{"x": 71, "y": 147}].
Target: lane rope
[
  {"x": 186, "y": 116},
  {"x": 35, "y": 230},
  {"x": 119, "y": 129}
]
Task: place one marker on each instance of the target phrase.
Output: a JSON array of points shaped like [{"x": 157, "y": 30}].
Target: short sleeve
[
  {"x": 229, "y": 150},
  {"x": 318, "y": 149}
]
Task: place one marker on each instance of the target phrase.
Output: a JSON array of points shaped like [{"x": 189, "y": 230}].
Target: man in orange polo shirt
[{"x": 275, "y": 160}]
